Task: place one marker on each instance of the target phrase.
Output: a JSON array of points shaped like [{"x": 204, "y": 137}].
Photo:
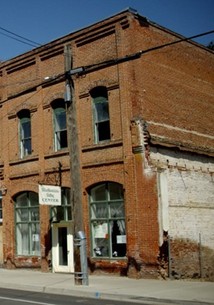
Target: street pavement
[{"x": 147, "y": 291}]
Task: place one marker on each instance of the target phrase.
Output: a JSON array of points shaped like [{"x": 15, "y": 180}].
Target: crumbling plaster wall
[{"x": 186, "y": 210}]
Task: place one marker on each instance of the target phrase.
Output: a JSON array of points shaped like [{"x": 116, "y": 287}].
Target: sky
[{"x": 42, "y": 21}]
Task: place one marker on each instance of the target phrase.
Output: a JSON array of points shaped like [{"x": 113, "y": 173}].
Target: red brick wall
[{"x": 155, "y": 87}]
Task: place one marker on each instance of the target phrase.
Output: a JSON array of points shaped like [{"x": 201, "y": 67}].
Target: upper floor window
[
  {"x": 25, "y": 133},
  {"x": 60, "y": 127},
  {"x": 101, "y": 114}
]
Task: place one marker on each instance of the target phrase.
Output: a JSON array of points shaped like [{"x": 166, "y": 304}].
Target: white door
[{"x": 62, "y": 248}]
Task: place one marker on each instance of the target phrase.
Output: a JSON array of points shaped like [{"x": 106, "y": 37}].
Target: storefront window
[
  {"x": 108, "y": 232},
  {"x": 27, "y": 224}
]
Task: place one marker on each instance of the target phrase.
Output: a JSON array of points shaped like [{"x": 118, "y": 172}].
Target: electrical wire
[
  {"x": 96, "y": 65},
  {"x": 140, "y": 53},
  {"x": 89, "y": 68},
  {"x": 19, "y": 37},
  {"x": 53, "y": 79},
  {"x": 110, "y": 62},
  {"x": 27, "y": 43}
]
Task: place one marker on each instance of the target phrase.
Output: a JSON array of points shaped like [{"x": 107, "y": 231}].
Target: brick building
[{"x": 144, "y": 122}]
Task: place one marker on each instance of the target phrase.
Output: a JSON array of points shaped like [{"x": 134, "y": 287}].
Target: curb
[{"x": 103, "y": 295}]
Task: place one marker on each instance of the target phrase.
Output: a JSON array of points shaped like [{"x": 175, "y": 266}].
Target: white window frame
[
  {"x": 25, "y": 150},
  {"x": 58, "y": 131},
  {"x": 99, "y": 96}
]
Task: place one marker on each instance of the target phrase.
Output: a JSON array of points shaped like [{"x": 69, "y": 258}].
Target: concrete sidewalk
[{"x": 111, "y": 287}]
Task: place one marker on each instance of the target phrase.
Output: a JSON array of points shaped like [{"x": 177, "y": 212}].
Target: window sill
[
  {"x": 58, "y": 153},
  {"x": 24, "y": 160},
  {"x": 102, "y": 145},
  {"x": 20, "y": 256}
]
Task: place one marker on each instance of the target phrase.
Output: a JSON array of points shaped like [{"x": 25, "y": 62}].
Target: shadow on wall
[
  {"x": 190, "y": 259},
  {"x": 163, "y": 258}
]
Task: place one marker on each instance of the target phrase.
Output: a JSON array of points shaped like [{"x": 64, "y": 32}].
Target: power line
[
  {"x": 19, "y": 37},
  {"x": 96, "y": 66},
  {"x": 138, "y": 54},
  {"x": 177, "y": 41},
  {"x": 89, "y": 68},
  {"x": 27, "y": 43}
]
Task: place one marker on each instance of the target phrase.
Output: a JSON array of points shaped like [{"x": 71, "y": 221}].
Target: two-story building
[{"x": 145, "y": 143}]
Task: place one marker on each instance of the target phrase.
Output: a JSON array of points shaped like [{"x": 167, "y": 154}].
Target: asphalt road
[
  {"x": 16, "y": 297},
  {"x": 21, "y": 297}
]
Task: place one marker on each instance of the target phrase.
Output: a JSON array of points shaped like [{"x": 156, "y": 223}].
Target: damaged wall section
[{"x": 186, "y": 211}]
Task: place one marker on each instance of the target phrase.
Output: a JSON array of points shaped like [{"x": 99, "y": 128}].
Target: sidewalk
[{"x": 111, "y": 287}]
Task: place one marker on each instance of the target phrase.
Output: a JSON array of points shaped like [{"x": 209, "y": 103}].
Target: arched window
[
  {"x": 60, "y": 126},
  {"x": 24, "y": 133},
  {"x": 62, "y": 212},
  {"x": 107, "y": 215},
  {"x": 27, "y": 224},
  {"x": 101, "y": 114}
]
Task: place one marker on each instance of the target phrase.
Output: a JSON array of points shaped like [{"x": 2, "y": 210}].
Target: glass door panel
[{"x": 63, "y": 248}]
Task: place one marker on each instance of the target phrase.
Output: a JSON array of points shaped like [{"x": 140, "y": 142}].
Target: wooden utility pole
[{"x": 74, "y": 153}]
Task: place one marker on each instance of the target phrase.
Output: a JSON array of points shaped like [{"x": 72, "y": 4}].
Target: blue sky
[{"x": 45, "y": 20}]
